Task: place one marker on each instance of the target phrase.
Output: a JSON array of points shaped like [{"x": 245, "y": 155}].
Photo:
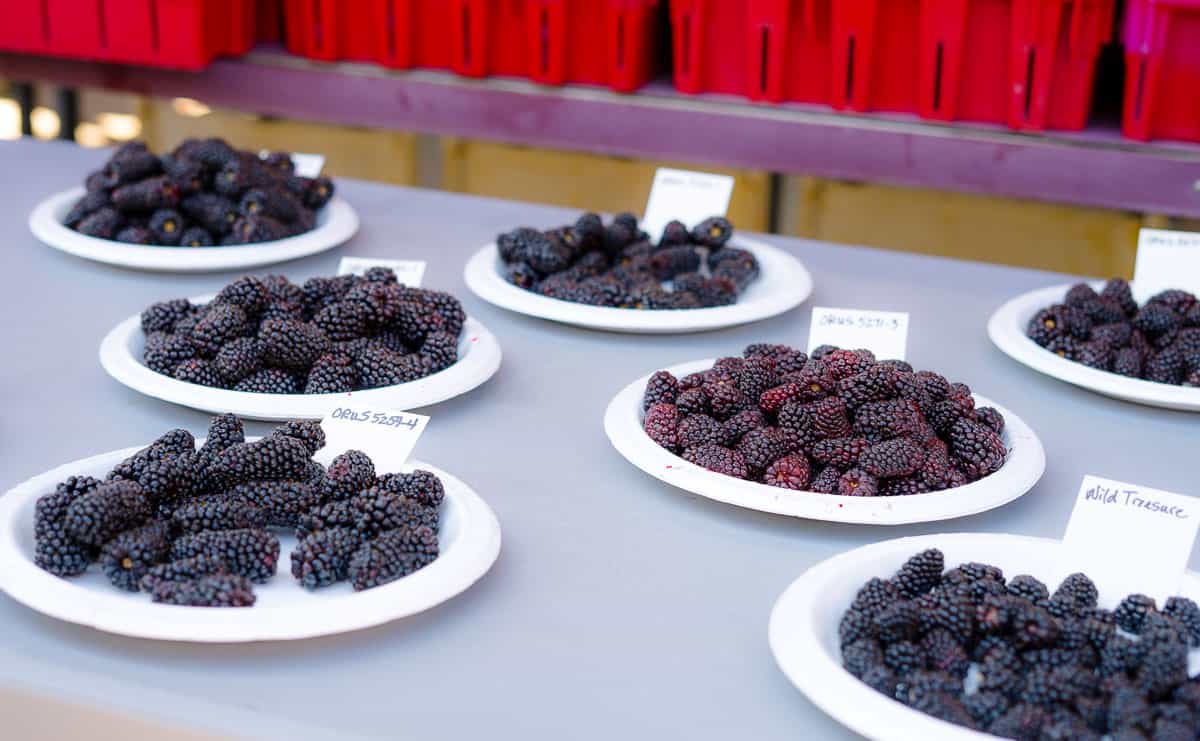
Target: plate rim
[
  {"x": 473, "y": 369},
  {"x": 337, "y": 223},
  {"x": 477, "y": 548},
  {"x": 1025, "y": 465},
  {"x": 1006, "y": 329},
  {"x": 483, "y": 280}
]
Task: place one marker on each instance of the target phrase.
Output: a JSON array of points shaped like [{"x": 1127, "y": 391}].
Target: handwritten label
[
  {"x": 388, "y": 436},
  {"x": 408, "y": 272},
  {"x": 1129, "y": 539},
  {"x": 1166, "y": 259},
  {"x": 689, "y": 197},
  {"x": 884, "y": 333}
]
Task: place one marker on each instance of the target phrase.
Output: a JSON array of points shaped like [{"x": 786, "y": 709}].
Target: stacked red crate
[{"x": 1162, "y": 70}]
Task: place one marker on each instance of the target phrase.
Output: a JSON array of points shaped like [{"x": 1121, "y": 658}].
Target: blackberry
[
  {"x": 146, "y": 195},
  {"x": 1187, "y": 613},
  {"x": 196, "y": 236},
  {"x": 272, "y": 457},
  {"x": 274, "y": 201},
  {"x": 379, "y": 511},
  {"x": 316, "y": 192},
  {"x": 877, "y": 383},
  {"x": 89, "y": 204},
  {"x": 54, "y": 549},
  {"x": 861, "y": 656},
  {"x": 392, "y": 555},
  {"x": 772, "y": 400},
  {"x": 188, "y": 175},
  {"x": 103, "y": 223},
  {"x": 1156, "y": 319},
  {"x": 198, "y": 371},
  {"x": 1115, "y": 334},
  {"x": 1027, "y": 587},
  {"x": 292, "y": 345},
  {"x": 1021, "y": 721},
  {"x": 423, "y": 486},
  {"x": 942, "y": 415},
  {"x": 440, "y": 350},
  {"x": 1128, "y": 710},
  {"x": 661, "y": 424},
  {"x": 1118, "y": 291},
  {"x": 249, "y": 553},
  {"x": 1132, "y": 612},
  {"x": 977, "y": 447},
  {"x": 126, "y": 558},
  {"x": 713, "y": 232},
  {"x": 845, "y": 363},
  {"x": 1175, "y": 299},
  {"x": 675, "y": 233},
  {"x": 181, "y": 570},
  {"x": 841, "y": 452},
  {"x": 718, "y": 459},
  {"x": 881, "y": 679},
  {"x": 342, "y": 513},
  {"x": 162, "y": 317},
  {"x": 789, "y": 472},
  {"x": 1165, "y": 366},
  {"x": 102, "y": 513},
  {"x": 904, "y": 657},
  {"x": 1077, "y": 593},
  {"x": 899, "y": 621},
  {"x": 920, "y": 573},
  {"x": 344, "y": 320},
  {"x": 986, "y": 707},
  {"x": 855, "y": 625},
  {"x": 135, "y": 234},
  {"x": 331, "y": 374},
  {"x": 990, "y": 417},
  {"x": 164, "y": 356},
  {"x": 892, "y": 458},
  {"x": 662, "y": 387},
  {"x": 944, "y": 652},
  {"x": 281, "y": 503},
  {"x": 216, "y": 590},
  {"x": 166, "y": 227},
  {"x": 323, "y": 558},
  {"x": 216, "y": 514},
  {"x": 214, "y": 213},
  {"x": 876, "y": 595},
  {"x": 857, "y": 483},
  {"x": 940, "y": 705},
  {"x": 378, "y": 366},
  {"x": 350, "y": 473},
  {"x": 238, "y": 359},
  {"x": 821, "y": 419},
  {"x": 761, "y": 447},
  {"x": 248, "y": 293},
  {"x": 220, "y": 324},
  {"x": 269, "y": 381},
  {"x": 826, "y": 482},
  {"x": 698, "y": 429}
]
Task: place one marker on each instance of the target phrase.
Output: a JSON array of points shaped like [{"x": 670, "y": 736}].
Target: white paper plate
[
  {"x": 804, "y": 637},
  {"x": 121, "y": 352},
  {"x": 336, "y": 223},
  {"x": 783, "y": 284},
  {"x": 469, "y": 542},
  {"x": 1007, "y": 330},
  {"x": 1024, "y": 466}
]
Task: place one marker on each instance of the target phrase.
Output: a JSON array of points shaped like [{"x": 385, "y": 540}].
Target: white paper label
[
  {"x": 884, "y": 333},
  {"x": 689, "y": 197},
  {"x": 1166, "y": 259},
  {"x": 408, "y": 272},
  {"x": 388, "y": 436},
  {"x": 1129, "y": 539}
]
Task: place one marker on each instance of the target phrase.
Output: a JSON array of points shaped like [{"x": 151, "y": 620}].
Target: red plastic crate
[
  {"x": 1162, "y": 70},
  {"x": 186, "y": 34},
  {"x": 876, "y": 55},
  {"x": 1030, "y": 64},
  {"x": 268, "y": 25},
  {"x": 776, "y": 50},
  {"x": 604, "y": 42}
]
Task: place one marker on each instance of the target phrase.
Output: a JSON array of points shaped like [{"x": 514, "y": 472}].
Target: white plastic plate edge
[
  {"x": 467, "y": 556},
  {"x": 1007, "y": 330},
  {"x": 1024, "y": 466},
  {"x": 479, "y": 359},
  {"x": 803, "y": 626},
  {"x": 337, "y": 222},
  {"x": 783, "y": 284}
]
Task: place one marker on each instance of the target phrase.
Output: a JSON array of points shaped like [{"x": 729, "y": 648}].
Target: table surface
[{"x": 618, "y": 603}]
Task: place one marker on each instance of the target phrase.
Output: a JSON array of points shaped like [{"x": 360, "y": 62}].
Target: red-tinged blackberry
[
  {"x": 857, "y": 483},
  {"x": 826, "y": 482},
  {"x": 54, "y": 550},
  {"x": 89, "y": 204},
  {"x": 718, "y": 459},
  {"x": 272, "y": 457},
  {"x": 105, "y": 511},
  {"x": 772, "y": 400},
  {"x": 662, "y": 387},
  {"x": 693, "y": 401},
  {"x": 877, "y": 383},
  {"x": 892, "y": 459},
  {"x": 920, "y": 573},
  {"x": 846, "y": 363},
  {"x": 990, "y": 417},
  {"x": 249, "y": 553},
  {"x": 1157, "y": 319},
  {"x": 815, "y": 381},
  {"x": 761, "y": 447},
  {"x": 977, "y": 447},
  {"x": 792, "y": 471},
  {"x": 198, "y": 371},
  {"x": 1027, "y": 587},
  {"x": 392, "y": 555},
  {"x": 883, "y": 420},
  {"x": 323, "y": 558},
  {"x": 1187, "y": 613},
  {"x": 350, "y": 473},
  {"x": 126, "y": 558},
  {"x": 332, "y": 374},
  {"x": 904, "y": 657},
  {"x": 935, "y": 471},
  {"x": 825, "y": 418},
  {"x": 269, "y": 381},
  {"x": 841, "y": 452},
  {"x": 103, "y": 223},
  {"x": 861, "y": 656},
  {"x": 215, "y": 590},
  {"x": 661, "y": 424},
  {"x": 181, "y": 570},
  {"x": 162, "y": 316},
  {"x": 1132, "y": 612}
]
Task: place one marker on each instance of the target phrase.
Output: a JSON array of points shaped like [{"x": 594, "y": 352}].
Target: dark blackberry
[
  {"x": 944, "y": 652},
  {"x": 135, "y": 234},
  {"x": 760, "y": 448},
  {"x": 269, "y": 381},
  {"x": 1165, "y": 366},
  {"x": 1132, "y": 612},
  {"x": 1187, "y": 613},
  {"x": 213, "y": 153},
  {"x": 942, "y": 415},
  {"x": 280, "y": 502},
  {"x": 103, "y": 223},
  {"x": 274, "y": 201},
  {"x": 903, "y": 486},
  {"x": 331, "y": 374},
  {"x": 187, "y": 174},
  {"x": 713, "y": 232},
  {"x": 54, "y": 549},
  {"x": 321, "y": 291},
  {"x": 379, "y": 511},
  {"x": 1098, "y": 355},
  {"x": 940, "y": 705},
  {"x": 378, "y": 366},
  {"x": 216, "y": 590},
  {"x": 881, "y": 679},
  {"x": 861, "y": 656},
  {"x": 439, "y": 351},
  {"x": 292, "y": 345},
  {"x": 876, "y": 595},
  {"x": 342, "y": 513},
  {"x": 840, "y": 452},
  {"x": 877, "y": 383},
  {"x": 214, "y": 213},
  {"x": 855, "y": 625},
  {"x": 1077, "y": 593},
  {"x": 990, "y": 417},
  {"x": 181, "y": 570},
  {"x": 1115, "y": 334},
  {"x": 423, "y": 486},
  {"x": 920, "y": 573},
  {"x": 166, "y": 226},
  {"x": 241, "y": 173},
  {"x": 1029, "y": 588},
  {"x": 272, "y": 457},
  {"x": 102, "y": 513},
  {"x": 349, "y": 473},
  {"x": 1156, "y": 319},
  {"x": 198, "y": 371},
  {"x": 845, "y": 363},
  {"x": 165, "y": 355},
  {"x": 392, "y": 555},
  {"x": 1129, "y": 710},
  {"x": 1021, "y": 721},
  {"x": 734, "y": 428},
  {"x": 718, "y": 459},
  {"x": 977, "y": 447},
  {"x": 661, "y": 424},
  {"x": 857, "y": 483},
  {"x": 220, "y": 324},
  {"x": 249, "y": 553},
  {"x": 892, "y": 458},
  {"x": 126, "y": 558},
  {"x": 826, "y": 482},
  {"x": 249, "y": 293},
  {"x": 1177, "y": 300},
  {"x": 674, "y": 233},
  {"x": 904, "y": 657},
  {"x": 89, "y": 204},
  {"x": 789, "y": 472},
  {"x": 986, "y": 707},
  {"x": 662, "y": 387},
  {"x": 899, "y": 621},
  {"x": 161, "y": 317},
  {"x": 588, "y": 232},
  {"x": 1118, "y": 290},
  {"x": 146, "y": 195},
  {"x": 238, "y": 359},
  {"x": 216, "y": 514},
  {"x": 343, "y": 320},
  {"x": 316, "y": 192},
  {"x": 323, "y": 558},
  {"x": 196, "y": 236},
  {"x": 698, "y": 429}
]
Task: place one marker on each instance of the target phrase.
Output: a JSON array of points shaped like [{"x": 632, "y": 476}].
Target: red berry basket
[
  {"x": 1162, "y": 70},
  {"x": 600, "y": 42},
  {"x": 185, "y": 34}
]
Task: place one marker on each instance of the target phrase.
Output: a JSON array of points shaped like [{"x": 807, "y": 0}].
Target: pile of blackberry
[
  {"x": 203, "y": 193},
  {"x": 195, "y": 525},
  {"x": 1014, "y": 660},
  {"x": 840, "y": 422},
  {"x": 616, "y": 265},
  {"x": 329, "y": 335},
  {"x": 1158, "y": 341}
]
